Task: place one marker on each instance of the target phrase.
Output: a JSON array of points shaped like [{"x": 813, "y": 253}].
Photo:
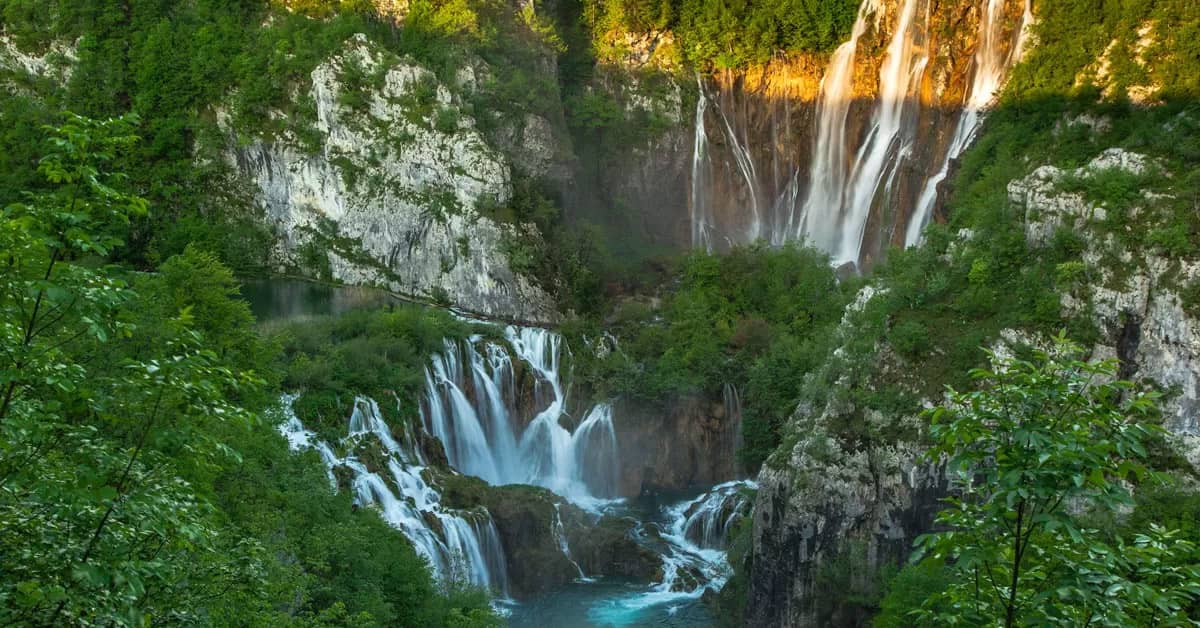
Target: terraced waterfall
[{"x": 498, "y": 411}]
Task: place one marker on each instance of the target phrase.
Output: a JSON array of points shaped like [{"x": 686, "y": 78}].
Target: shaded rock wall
[{"x": 679, "y": 444}]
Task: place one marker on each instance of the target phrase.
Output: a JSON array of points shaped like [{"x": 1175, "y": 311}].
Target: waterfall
[
  {"x": 483, "y": 434},
  {"x": 989, "y": 67},
  {"x": 692, "y": 563},
  {"x": 745, "y": 164},
  {"x": 459, "y": 545},
  {"x": 701, "y": 212},
  {"x": 835, "y": 213},
  {"x": 560, "y": 536},
  {"x": 707, "y": 520},
  {"x": 871, "y": 164}
]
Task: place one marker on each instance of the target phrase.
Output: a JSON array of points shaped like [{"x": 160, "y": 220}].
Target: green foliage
[
  {"x": 731, "y": 33},
  {"x": 137, "y": 480},
  {"x": 1038, "y": 436},
  {"x": 363, "y": 352},
  {"x": 909, "y": 589},
  {"x": 757, "y": 318},
  {"x": 96, "y": 526},
  {"x": 1072, "y": 34}
]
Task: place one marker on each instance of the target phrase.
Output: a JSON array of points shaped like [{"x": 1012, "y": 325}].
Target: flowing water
[
  {"x": 691, "y": 542},
  {"x": 473, "y": 404},
  {"x": 458, "y": 544},
  {"x": 988, "y": 70},
  {"x": 852, "y": 176}
]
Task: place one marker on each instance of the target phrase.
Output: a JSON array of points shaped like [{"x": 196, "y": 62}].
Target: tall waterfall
[
  {"x": 701, "y": 212},
  {"x": 485, "y": 438},
  {"x": 873, "y": 164},
  {"x": 988, "y": 70},
  {"x": 829, "y": 181}
]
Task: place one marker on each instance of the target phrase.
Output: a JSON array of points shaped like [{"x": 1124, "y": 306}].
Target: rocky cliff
[
  {"x": 741, "y": 167},
  {"x": 848, "y": 491},
  {"x": 392, "y": 191},
  {"x": 1134, "y": 296},
  {"x": 680, "y": 444}
]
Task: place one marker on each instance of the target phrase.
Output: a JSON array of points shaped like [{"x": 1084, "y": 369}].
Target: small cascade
[
  {"x": 459, "y": 545},
  {"x": 989, "y": 67},
  {"x": 560, "y": 536},
  {"x": 483, "y": 436},
  {"x": 708, "y": 520},
  {"x": 691, "y": 540}
]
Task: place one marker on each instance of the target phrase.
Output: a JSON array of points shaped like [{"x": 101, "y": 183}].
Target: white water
[
  {"x": 689, "y": 568},
  {"x": 700, "y": 209},
  {"x": 989, "y": 67},
  {"x": 850, "y": 178},
  {"x": 471, "y": 403},
  {"x": 463, "y": 546},
  {"x": 485, "y": 438},
  {"x": 707, "y": 520},
  {"x": 835, "y": 213}
]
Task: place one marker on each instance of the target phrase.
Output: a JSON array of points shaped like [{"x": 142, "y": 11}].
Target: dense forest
[{"x": 143, "y": 479}]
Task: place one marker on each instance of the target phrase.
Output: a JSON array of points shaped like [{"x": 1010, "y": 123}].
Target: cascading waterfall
[
  {"x": 838, "y": 205},
  {"x": 707, "y": 520},
  {"x": 989, "y": 67},
  {"x": 856, "y": 178},
  {"x": 691, "y": 541},
  {"x": 483, "y": 438},
  {"x": 462, "y": 545}
]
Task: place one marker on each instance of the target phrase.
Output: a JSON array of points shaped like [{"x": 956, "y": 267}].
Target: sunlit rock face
[
  {"x": 391, "y": 193},
  {"x": 845, "y": 150}
]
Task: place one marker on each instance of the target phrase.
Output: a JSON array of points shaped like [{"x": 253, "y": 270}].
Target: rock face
[
  {"x": 845, "y": 510},
  {"x": 741, "y": 160},
  {"x": 830, "y": 512},
  {"x": 548, "y": 542},
  {"x": 1136, "y": 302},
  {"x": 607, "y": 548},
  {"x": 392, "y": 193},
  {"x": 54, "y": 64},
  {"x": 680, "y": 444}
]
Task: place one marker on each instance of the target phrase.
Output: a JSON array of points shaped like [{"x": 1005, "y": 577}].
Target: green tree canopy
[{"x": 1040, "y": 441}]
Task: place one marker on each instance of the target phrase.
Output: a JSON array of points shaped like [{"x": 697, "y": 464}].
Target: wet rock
[
  {"x": 608, "y": 548},
  {"x": 675, "y": 445},
  {"x": 525, "y": 519}
]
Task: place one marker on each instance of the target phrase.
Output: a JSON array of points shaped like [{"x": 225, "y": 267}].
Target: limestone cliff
[
  {"x": 1134, "y": 296},
  {"x": 393, "y": 191},
  {"x": 848, "y": 491}
]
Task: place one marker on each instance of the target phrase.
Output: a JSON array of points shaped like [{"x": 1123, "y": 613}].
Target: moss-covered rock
[{"x": 608, "y": 548}]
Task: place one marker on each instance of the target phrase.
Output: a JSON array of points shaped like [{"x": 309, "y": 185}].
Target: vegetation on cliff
[
  {"x": 1039, "y": 440},
  {"x": 730, "y": 34},
  {"x": 757, "y": 318},
  {"x": 142, "y": 479}
]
